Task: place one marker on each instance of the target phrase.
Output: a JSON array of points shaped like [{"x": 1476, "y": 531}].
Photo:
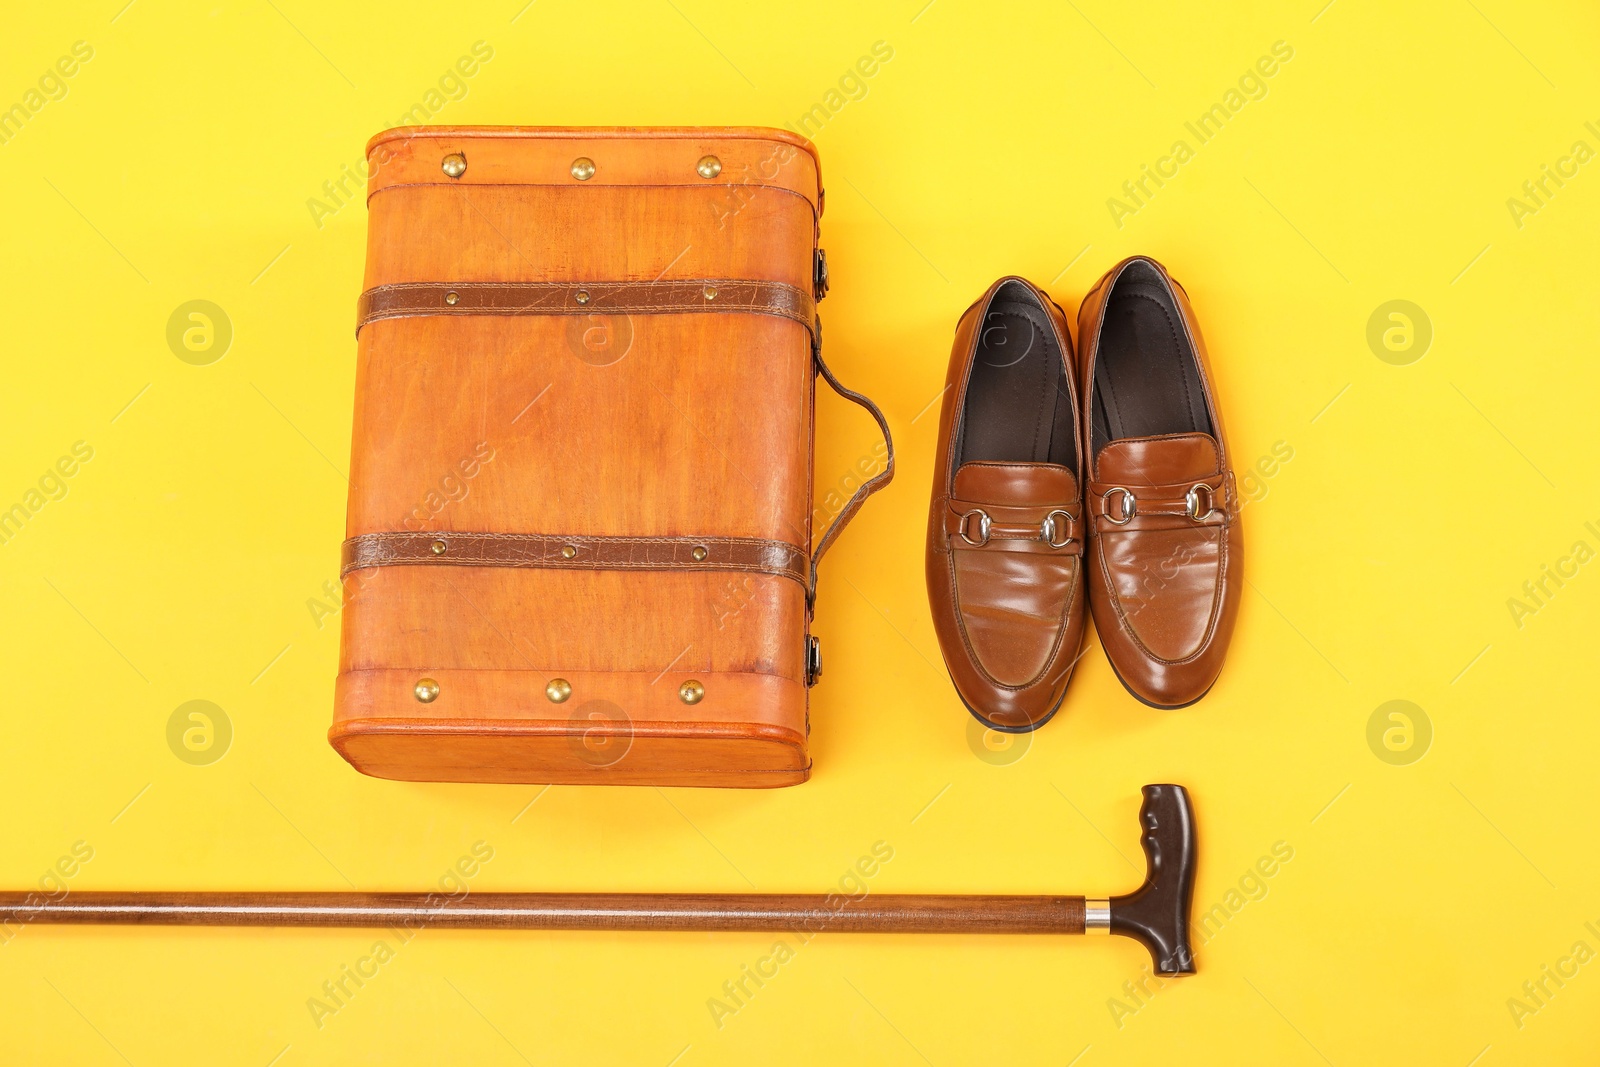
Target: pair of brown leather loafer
[{"x": 1060, "y": 481}]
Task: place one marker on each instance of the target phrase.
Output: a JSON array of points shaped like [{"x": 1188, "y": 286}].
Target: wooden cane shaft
[{"x": 876, "y": 913}]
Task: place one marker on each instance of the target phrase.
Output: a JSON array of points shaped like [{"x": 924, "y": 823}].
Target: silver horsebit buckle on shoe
[
  {"x": 983, "y": 527},
  {"x": 1049, "y": 527},
  {"x": 1191, "y": 501},
  {"x": 1125, "y": 508}
]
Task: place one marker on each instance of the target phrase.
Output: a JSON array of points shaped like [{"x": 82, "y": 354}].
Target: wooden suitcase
[{"x": 579, "y": 529}]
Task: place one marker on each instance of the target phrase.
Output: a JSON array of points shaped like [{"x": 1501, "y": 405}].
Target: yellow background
[{"x": 1418, "y": 500}]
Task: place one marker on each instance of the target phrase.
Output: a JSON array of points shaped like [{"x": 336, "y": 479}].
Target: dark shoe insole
[
  {"x": 1017, "y": 407},
  {"x": 1146, "y": 381}
]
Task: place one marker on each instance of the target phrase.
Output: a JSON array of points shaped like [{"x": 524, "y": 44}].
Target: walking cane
[{"x": 1156, "y": 914}]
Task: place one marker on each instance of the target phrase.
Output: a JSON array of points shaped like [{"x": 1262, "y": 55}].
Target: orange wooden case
[{"x": 579, "y": 528}]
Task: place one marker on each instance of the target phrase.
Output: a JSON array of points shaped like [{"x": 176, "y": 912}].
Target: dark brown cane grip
[{"x": 1157, "y": 913}]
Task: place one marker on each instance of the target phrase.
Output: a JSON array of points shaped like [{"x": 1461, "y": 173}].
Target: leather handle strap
[{"x": 870, "y": 486}]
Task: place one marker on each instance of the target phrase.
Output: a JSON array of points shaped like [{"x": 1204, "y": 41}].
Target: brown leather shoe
[
  {"x": 1164, "y": 540},
  {"x": 1005, "y": 535}
]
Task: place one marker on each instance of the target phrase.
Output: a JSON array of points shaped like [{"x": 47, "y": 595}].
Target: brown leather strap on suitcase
[{"x": 870, "y": 486}]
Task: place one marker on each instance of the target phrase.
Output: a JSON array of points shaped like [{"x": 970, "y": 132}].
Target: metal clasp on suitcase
[{"x": 813, "y": 660}]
